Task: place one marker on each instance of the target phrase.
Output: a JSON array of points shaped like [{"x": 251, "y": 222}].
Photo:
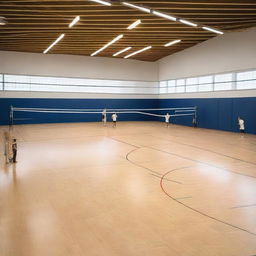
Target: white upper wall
[
  {"x": 77, "y": 66},
  {"x": 228, "y": 52}
]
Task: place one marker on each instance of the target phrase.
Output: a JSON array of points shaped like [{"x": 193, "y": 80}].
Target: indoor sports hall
[{"x": 127, "y": 128}]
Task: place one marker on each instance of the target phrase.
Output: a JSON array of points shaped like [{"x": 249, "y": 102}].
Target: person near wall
[
  {"x": 194, "y": 122},
  {"x": 114, "y": 119},
  {"x": 14, "y": 151},
  {"x": 241, "y": 124},
  {"x": 167, "y": 119},
  {"x": 104, "y": 117}
]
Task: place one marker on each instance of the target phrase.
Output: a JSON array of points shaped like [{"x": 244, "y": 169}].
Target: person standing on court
[
  {"x": 241, "y": 124},
  {"x": 114, "y": 119},
  {"x": 194, "y": 122},
  {"x": 104, "y": 117},
  {"x": 167, "y": 119},
  {"x": 14, "y": 151}
]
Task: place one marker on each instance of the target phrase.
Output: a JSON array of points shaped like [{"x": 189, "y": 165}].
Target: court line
[
  {"x": 201, "y": 162},
  {"x": 210, "y": 151},
  {"x": 242, "y": 206},
  {"x": 156, "y": 174},
  {"x": 195, "y": 210}
]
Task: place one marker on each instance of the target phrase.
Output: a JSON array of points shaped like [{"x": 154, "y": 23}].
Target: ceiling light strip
[
  {"x": 163, "y": 15},
  {"x": 102, "y": 2},
  {"x": 172, "y": 43},
  {"x": 188, "y": 22},
  {"x": 213, "y": 30},
  {"x": 108, "y": 44},
  {"x": 137, "y": 52},
  {"x": 55, "y": 42},
  {"x": 147, "y": 10},
  {"x": 75, "y": 20},
  {"x": 134, "y": 24},
  {"x": 122, "y": 51}
]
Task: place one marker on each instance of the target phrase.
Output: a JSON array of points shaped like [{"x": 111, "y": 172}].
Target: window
[
  {"x": 192, "y": 84},
  {"x": 62, "y": 84},
  {"x": 223, "y": 82},
  {"x": 163, "y": 87},
  {"x": 180, "y": 85},
  {"x": 171, "y": 86},
  {"x": 205, "y": 83},
  {"x": 246, "y": 80}
]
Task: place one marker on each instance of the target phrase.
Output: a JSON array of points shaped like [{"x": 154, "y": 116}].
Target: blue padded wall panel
[
  {"x": 26, "y": 118},
  {"x": 217, "y": 113}
]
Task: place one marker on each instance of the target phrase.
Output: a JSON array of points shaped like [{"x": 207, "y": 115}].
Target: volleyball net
[{"x": 46, "y": 115}]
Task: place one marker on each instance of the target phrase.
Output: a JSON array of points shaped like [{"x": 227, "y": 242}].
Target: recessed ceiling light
[
  {"x": 137, "y": 52},
  {"x": 108, "y": 44},
  {"x": 172, "y": 43},
  {"x": 124, "y": 50},
  {"x": 147, "y": 10},
  {"x": 213, "y": 30},
  {"x": 55, "y": 42},
  {"x": 134, "y": 24}
]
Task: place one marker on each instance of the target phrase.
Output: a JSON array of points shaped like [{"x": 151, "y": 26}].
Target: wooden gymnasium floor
[{"x": 139, "y": 189}]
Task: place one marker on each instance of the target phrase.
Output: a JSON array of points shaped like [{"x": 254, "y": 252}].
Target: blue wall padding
[
  {"x": 217, "y": 113},
  {"x": 28, "y": 118},
  {"x": 213, "y": 113}
]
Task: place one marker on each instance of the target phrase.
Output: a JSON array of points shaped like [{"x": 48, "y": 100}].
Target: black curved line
[
  {"x": 195, "y": 210},
  {"x": 154, "y": 173}
]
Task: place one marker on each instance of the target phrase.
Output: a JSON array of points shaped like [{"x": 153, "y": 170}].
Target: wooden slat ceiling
[{"x": 33, "y": 25}]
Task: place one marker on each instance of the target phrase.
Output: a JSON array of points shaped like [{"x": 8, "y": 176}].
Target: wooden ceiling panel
[{"x": 34, "y": 24}]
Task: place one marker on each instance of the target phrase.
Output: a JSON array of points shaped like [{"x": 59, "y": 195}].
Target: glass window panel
[
  {"x": 222, "y": 86},
  {"x": 246, "y": 85},
  {"x": 249, "y": 75},
  {"x": 180, "y": 85},
  {"x": 205, "y": 87},
  {"x": 171, "y": 86},
  {"x": 223, "y": 82}
]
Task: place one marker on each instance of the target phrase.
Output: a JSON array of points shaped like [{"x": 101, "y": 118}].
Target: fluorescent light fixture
[
  {"x": 75, "y": 20},
  {"x": 55, "y": 42},
  {"x": 213, "y": 30},
  {"x": 139, "y": 51},
  {"x": 134, "y": 24},
  {"x": 3, "y": 21},
  {"x": 102, "y": 2},
  {"x": 124, "y": 50},
  {"x": 107, "y": 45},
  {"x": 137, "y": 7},
  {"x": 172, "y": 43},
  {"x": 163, "y": 15},
  {"x": 188, "y": 23}
]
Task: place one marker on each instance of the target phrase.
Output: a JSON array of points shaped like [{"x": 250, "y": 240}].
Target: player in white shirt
[
  {"x": 167, "y": 119},
  {"x": 114, "y": 119},
  {"x": 104, "y": 117},
  {"x": 241, "y": 124}
]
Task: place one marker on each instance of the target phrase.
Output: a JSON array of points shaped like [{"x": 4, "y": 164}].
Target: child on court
[
  {"x": 114, "y": 119},
  {"x": 104, "y": 117},
  {"x": 167, "y": 119},
  {"x": 241, "y": 124}
]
